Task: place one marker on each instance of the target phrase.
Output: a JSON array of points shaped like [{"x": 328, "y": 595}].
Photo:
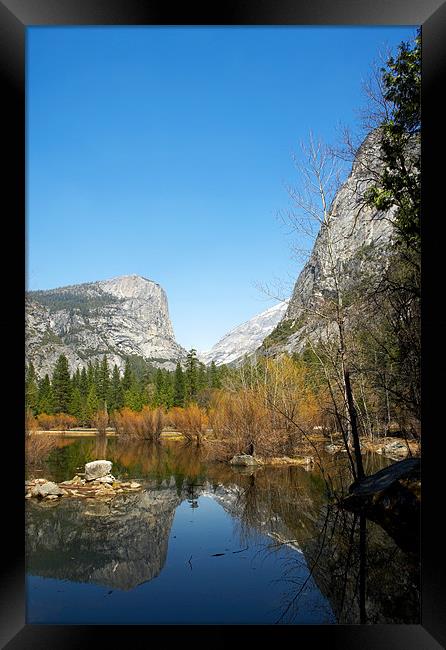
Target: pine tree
[
  {"x": 128, "y": 378},
  {"x": 96, "y": 372},
  {"x": 133, "y": 397},
  {"x": 77, "y": 405},
  {"x": 214, "y": 378},
  {"x": 201, "y": 377},
  {"x": 31, "y": 389},
  {"x": 115, "y": 393},
  {"x": 75, "y": 380},
  {"x": 61, "y": 385},
  {"x": 83, "y": 384},
  {"x": 45, "y": 402},
  {"x": 90, "y": 376},
  {"x": 92, "y": 404},
  {"x": 191, "y": 375},
  {"x": 179, "y": 387},
  {"x": 103, "y": 381},
  {"x": 159, "y": 388}
]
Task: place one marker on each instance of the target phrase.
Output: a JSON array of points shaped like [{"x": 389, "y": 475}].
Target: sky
[{"x": 165, "y": 152}]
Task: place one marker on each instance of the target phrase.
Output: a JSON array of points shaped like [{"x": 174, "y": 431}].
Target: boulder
[
  {"x": 243, "y": 460},
  {"x": 97, "y": 469},
  {"x": 333, "y": 449},
  {"x": 109, "y": 479},
  {"x": 395, "y": 448},
  {"x": 47, "y": 489}
]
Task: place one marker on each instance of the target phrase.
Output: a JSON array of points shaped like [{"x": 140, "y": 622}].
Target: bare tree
[{"x": 314, "y": 215}]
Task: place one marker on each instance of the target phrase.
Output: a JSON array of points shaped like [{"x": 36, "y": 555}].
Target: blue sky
[{"x": 165, "y": 152}]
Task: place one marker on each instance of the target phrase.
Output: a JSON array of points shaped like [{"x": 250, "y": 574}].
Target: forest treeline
[{"x": 98, "y": 387}]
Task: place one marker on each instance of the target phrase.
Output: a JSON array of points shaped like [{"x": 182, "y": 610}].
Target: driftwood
[{"x": 391, "y": 498}]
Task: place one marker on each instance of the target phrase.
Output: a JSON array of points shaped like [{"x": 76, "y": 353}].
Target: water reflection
[{"x": 280, "y": 512}]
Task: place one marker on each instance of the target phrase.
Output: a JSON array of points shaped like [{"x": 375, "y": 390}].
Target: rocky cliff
[
  {"x": 121, "y": 317},
  {"x": 359, "y": 238}
]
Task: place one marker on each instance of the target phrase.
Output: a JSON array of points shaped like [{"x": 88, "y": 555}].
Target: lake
[{"x": 205, "y": 543}]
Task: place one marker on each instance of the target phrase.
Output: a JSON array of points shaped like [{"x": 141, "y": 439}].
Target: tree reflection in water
[{"x": 360, "y": 569}]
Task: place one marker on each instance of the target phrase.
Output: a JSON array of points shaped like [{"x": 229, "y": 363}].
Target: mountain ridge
[{"x": 122, "y": 316}]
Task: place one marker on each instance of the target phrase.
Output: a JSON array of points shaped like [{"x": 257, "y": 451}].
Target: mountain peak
[
  {"x": 245, "y": 338},
  {"x": 125, "y": 316}
]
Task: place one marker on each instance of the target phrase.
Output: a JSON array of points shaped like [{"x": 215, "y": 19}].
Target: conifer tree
[
  {"x": 179, "y": 387},
  {"x": 159, "y": 388},
  {"x": 83, "y": 384},
  {"x": 45, "y": 402},
  {"x": 31, "y": 389},
  {"x": 77, "y": 404},
  {"x": 201, "y": 377},
  {"x": 116, "y": 393},
  {"x": 61, "y": 385},
  {"x": 90, "y": 376},
  {"x": 128, "y": 378},
  {"x": 133, "y": 397},
  {"x": 92, "y": 404},
  {"x": 103, "y": 381},
  {"x": 75, "y": 380},
  {"x": 214, "y": 379},
  {"x": 96, "y": 372},
  {"x": 191, "y": 375}
]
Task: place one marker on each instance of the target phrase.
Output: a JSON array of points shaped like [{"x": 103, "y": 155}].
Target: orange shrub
[
  {"x": 100, "y": 421},
  {"x": 191, "y": 421},
  {"x": 242, "y": 419},
  {"x": 266, "y": 409},
  {"x": 30, "y": 422},
  {"x": 37, "y": 448},
  {"x": 145, "y": 424},
  {"x": 44, "y": 421},
  {"x": 57, "y": 422}
]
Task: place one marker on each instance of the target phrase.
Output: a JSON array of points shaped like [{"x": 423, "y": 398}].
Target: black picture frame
[{"x": 15, "y": 17}]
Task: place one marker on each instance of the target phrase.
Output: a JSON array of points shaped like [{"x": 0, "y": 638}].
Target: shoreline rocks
[
  {"x": 243, "y": 460},
  {"x": 97, "y": 485}
]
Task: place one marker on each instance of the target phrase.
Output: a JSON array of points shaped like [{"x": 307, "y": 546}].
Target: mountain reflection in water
[{"x": 206, "y": 543}]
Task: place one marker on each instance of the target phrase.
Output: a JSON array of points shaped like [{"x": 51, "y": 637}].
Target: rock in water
[
  {"x": 108, "y": 479},
  {"x": 47, "y": 489},
  {"x": 97, "y": 469},
  {"x": 243, "y": 460}
]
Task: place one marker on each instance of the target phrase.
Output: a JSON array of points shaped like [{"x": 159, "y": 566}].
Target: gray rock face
[
  {"x": 47, "y": 489},
  {"x": 360, "y": 237},
  {"x": 124, "y": 316},
  {"x": 97, "y": 469},
  {"x": 243, "y": 460}
]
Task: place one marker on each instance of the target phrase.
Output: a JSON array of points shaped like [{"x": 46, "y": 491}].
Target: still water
[{"x": 204, "y": 543}]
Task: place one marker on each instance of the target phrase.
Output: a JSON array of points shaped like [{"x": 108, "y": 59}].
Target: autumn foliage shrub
[
  {"x": 266, "y": 409},
  {"x": 242, "y": 420},
  {"x": 145, "y": 424},
  {"x": 31, "y": 424},
  {"x": 37, "y": 447},
  {"x": 57, "y": 422},
  {"x": 191, "y": 421},
  {"x": 100, "y": 421}
]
